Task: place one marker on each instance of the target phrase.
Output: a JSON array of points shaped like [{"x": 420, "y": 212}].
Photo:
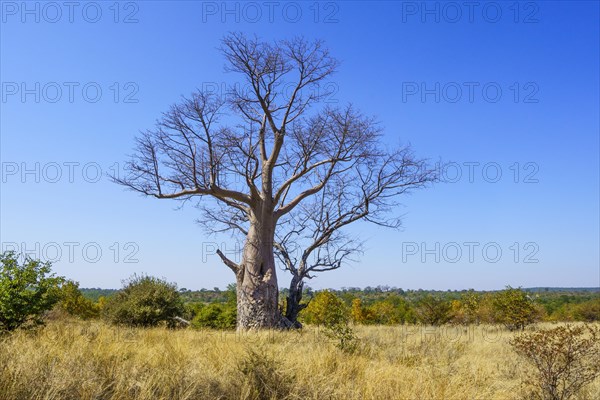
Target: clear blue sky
[{"x": 541, "y": 130}]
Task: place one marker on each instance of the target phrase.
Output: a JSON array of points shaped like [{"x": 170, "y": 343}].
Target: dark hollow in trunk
[{"x": 293, "y": 306}]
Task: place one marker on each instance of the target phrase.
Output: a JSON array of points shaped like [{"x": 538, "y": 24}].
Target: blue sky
[{"x": 504, "y": 87}]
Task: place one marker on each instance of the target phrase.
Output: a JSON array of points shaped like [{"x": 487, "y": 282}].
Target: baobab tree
[
  {"x": 311, "y": 239},
  {"x": 258, "y": 159}
]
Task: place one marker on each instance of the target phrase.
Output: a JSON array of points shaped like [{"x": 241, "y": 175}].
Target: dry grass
[{"x": 91, "y": 360}]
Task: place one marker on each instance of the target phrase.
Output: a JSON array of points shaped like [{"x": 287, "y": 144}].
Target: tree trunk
[
  {"x": 293, "y": 306},
  {"x": 257, "y": 290}
]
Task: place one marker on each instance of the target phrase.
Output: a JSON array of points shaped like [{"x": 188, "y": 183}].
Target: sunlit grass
[{"x": 92, "y": 360}]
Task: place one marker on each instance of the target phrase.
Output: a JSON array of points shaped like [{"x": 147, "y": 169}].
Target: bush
[
  {"x": 328, "y": 310},
  {"x": 27, "y": 291},
  {"x": 325, "y": 309},
  {"x": 588, "y": 311},
  {"x": 145, "y": 301},
  {"x": 433, "y": 310},
  {"x": 467, "y": 310},
  {"x": 74, "y": 303},
  {"x": 344, "y": 336},
  {"x": 215, "y": 316},
  {"x": 515, "y": 309},
  {"x": 565, "y": 358},
  {"x": 391, "y": 311},
  {"x": 358, "y": 313}
]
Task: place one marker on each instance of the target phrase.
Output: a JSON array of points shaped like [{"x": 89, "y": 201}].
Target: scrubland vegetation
[
  {"x": 71, "y": 359},
  {"x": 137, "y": 343}
]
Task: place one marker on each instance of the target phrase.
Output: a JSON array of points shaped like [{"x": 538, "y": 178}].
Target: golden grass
[{"x": 92, "y": 360}]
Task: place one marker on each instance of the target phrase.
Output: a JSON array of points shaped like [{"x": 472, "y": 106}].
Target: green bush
[
  {"x": 391, "y": 311},
  {"x": 432, "y": 310},
  {"x": 27, "y": 291},
  {"x": 325, "y": 309},
  {"x": 588, "y": 311},
  {"x": 215, "y": 316},
  {"x": 344, "y": 336},
  {"x": 74, "y": 303},
  {"x": 515, "y": 308},
  {"x": 145, "y": 301},
  {"x": 468, "y": 309},
  {"x": 328, "y": 310}
]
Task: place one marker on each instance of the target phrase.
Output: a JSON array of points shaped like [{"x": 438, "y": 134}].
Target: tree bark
[
  {"x": 293, "y": 306},
  {"x": 257, "y": 291}
]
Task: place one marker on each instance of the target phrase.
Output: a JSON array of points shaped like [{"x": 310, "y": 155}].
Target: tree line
[
  {"x": 216, "y": 308},
  {"x": 31, "y": 292}
]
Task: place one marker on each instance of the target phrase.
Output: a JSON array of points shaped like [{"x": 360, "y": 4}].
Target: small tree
[
  {"x": 325, "y": 309},
  {"x": 27, "y": 291},
  {"x": 358, "y": 313},
  {"x": 393, "y": 310},
  {"x": 217, "y": 316},
  {"x": 515, "y": 308},
  {"x": 328, "y": 310},
  {"x": 145, "y": 301},
  {"x": 471, "y": 302},
  {"x": 74, "y": 303},
  {"x": 565, "y": 358},
  {"x": 588, "y": 311},
  {"x": 485, "y": 309},
  {"x": 433, "y": 310},
  {"x": 468, "y": 309}
]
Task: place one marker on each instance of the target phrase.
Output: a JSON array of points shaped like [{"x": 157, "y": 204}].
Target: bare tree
[
  {"x": 313, "y": 239},
  {"x": 271, "y": 160}
]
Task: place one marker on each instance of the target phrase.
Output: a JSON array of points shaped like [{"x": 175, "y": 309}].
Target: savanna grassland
[{"x": 73, "y": 359}]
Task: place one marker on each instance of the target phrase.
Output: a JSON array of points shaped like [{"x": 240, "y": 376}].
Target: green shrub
[
  {"x": 344, "y": 336},
  {"x": 565, "y": 359},
  {"x": 588, "y": 311},
  {"x": 74, "y": 303},
  {"x": 515, "y": 309},
  {"x": 432, "y": 310},
  {"x": 215, "y": 316},
  {"x": 27, "y": 291},
  {"x": 391, "y": 311},
  {"x": 325, "y": 309},
  {"x": 467, "y": 309},
  {"x": 145, "y": 301},
  {"x": 328, "y": 310}
]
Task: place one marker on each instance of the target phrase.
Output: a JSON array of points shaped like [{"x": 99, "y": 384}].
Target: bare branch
[{"x": 233, "y": 266}]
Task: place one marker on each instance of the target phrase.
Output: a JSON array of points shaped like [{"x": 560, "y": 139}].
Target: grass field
[{"x": 92, "y": 360}]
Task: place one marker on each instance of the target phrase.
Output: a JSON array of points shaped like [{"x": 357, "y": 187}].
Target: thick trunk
[
  {"x": 257, "y": 291},
  {"x": 293, "y": 306}
]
